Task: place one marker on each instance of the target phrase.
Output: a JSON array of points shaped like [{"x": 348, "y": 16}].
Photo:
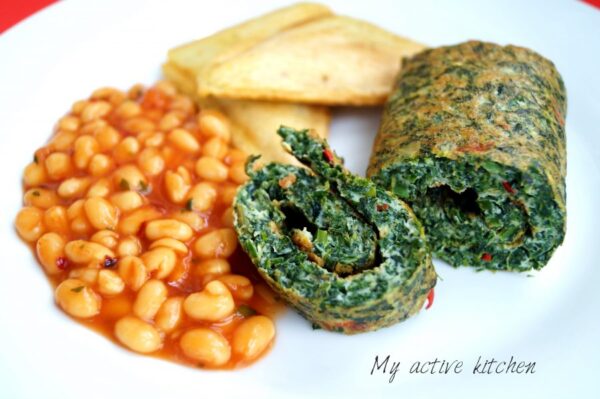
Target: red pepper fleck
[
  {"x": 328, "y": 155},
  {"x": 475, "y": 147},
  {"x": 509, "y": 189},
  {"x": 62, "y": 263},
  {"x": 349, "y": 325},
  {"x": 430, "y": 298},
  {"x": 486, "y": 257},
  {"x": 382, "y": 207},
  {"x": 109, "y": 262},
  {"x": 557, "y": 113}
]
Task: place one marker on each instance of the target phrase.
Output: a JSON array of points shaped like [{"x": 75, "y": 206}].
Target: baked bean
[
  {"x": 55, "y": 219},
  {"x": 129, "y": 177},
  {"x": 239, "y": 286},
  {"x": 202, "y": 197},
  {"x": 104, "y": 93},
  {"x": 132, "y": 223},
  {"x": 137, "y": 335},
  {"x": 177, "y": 186},
  {"x": 208, "y": 347},
  {"x": 127, "y": 200},
  {"x": 151, "y": 162},
  {"x": 133, "y": 272},
  {"x": 108, "y": 138},
  {"x": 100, "y": 165},
  {"x": 62, "y": 141},
  {"x": 227, "y": 218},
  {"x": 169, "y": 314},
  {"x": 34, "y": 174},
  {"x": 126, "y": 150},
  {"x": 215, "y": 148},
  {"x": 218, "y": 243},
  {"x": 192, "y": 219},
  {"x": 108, "y": 93},
  {"x": 182, "y": 104},
  {"x": 85, "y": 147},
  {"x": 143, "y": 136},
  {"x": 235, "y": 155},
  {"x": 213, "y": 267},
  {"x": 77, "y": 299},
  {"x": 80, "y": 226},
  {"x": 76, "y": 215},
  {"x": 107, "y": 238},
  {"x": 129, "y": 246},
  {"x": 170, "y": 121},
  {"x": 117, "y": 98},
  {"x": 40, "y": 197},
  {"x": 149, "y": 299},
  {"x": 101, "y": 213},
  {"x": 154, "y": 139},
  {"x": 161, "y": 261},
  {"x": 110, "y": 283},
  {"x": 88, "y": 275},
  {"x": 252, "y": 337},
  {"x": 49, "y": 248},
  {"x": 101, "y": 188},
  {"x": 138, "y": 124},
  {"x": 168, "y": 228},
  {"x": 58, "y": 165},
  {"x": 135, "y": 91},
  {"x": 184, "y": 173},
  {"x": 95, "y": 110},
  {"x": 29, "y": 223},
  {"x": 211, "y": 169},
  {"x": 213, "y": 303},
  {"x": 94, "y": 127},
  {"x": 166, "y": 88},
  {"x": 73, "y": 187},
  {"x": 184, "y": 141},
  {"x": 78, "y": 106},
  {"x": 86, "y": 252},
  {"x": 68, "y": 123},
  {"x": 237, "y": 173},
  {"x": 76, "y": 209},
  {"x": 212, "y": 123},
  {"x": 128, "y": 109},
  {"x": 172, "y": 243}
]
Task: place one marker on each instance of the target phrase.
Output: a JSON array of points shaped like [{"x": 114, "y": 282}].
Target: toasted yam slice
[
  {"x": 184, "y": 82},
  {"x": 335, "y": 60},
  {"x": 194, "y": 57},
  {"x": 255, "y": 123}
]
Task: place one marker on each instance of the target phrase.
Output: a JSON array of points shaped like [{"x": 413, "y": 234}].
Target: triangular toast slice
[{"x": 332, "y": 60}]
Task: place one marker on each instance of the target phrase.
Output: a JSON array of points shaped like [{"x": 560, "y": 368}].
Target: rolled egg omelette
[{"x": 473, "y": 138}]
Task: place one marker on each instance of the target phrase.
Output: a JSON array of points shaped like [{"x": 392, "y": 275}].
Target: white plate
[{"x": 551, "y": 318}]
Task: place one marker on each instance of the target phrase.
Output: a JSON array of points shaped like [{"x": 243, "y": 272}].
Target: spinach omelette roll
[
  {"x": 473, "y": 138},
  {"x": 348, "y": 255}
]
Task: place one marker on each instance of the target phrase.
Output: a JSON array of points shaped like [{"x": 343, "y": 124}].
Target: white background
[{"x": 551, "y": 317}]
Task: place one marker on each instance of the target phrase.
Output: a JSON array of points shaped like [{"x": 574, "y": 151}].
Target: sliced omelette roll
[
  {"x": 348, "y": 255},
  {"x": 473, "y": 138}
]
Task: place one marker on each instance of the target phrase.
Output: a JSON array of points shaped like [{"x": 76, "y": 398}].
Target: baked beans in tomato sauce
[{"x": 128, "y": 209}]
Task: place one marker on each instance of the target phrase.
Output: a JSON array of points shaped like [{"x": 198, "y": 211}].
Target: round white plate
[{"x": 549, "y": 317}]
